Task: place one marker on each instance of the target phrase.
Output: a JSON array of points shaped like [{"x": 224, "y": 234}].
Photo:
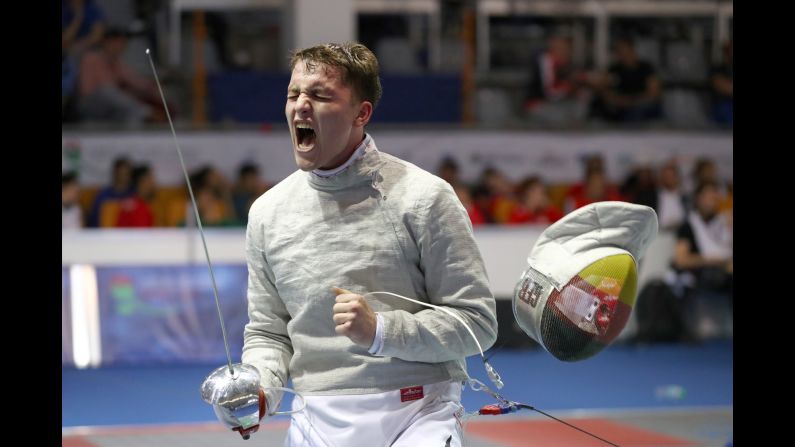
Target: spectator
[
  {"x": 448, "y": 171},
  {"x": 212, "y": 211},
  {"x": 136, "y": 210},
  {"x": 71, "y": 215},
  {"x": 672, "y": 203},
  {"x": 109, "y": 90},
  {"x": 593, "y": 162},
  {"x": 120, "y": 188},
  {"x": 213, "y": 199},
  {"x": 705, "y": 170},
  {"x": 82, "y": 26},
  {"x": 534, "y": 205},
  {"x": 500, "y": 191},
  {"x": 702, "y": 269},
  {"x": 578, "y": 194},
  {"x": 722, "y": 80},
  {"x": 475, "y": 215},
  {"x": 556, "y": 94},
  {"x": 632, "y": 91},
  {"x": 481, "y": 205},
  {"x": 249, "y": 187},
  {"x": 640, "y": 186},
  {"x": 595, "y": 189},
  {"x": 218, "y": 185}
]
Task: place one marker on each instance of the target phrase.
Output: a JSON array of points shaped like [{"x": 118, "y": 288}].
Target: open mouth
[{"x": 304, "y": 136}]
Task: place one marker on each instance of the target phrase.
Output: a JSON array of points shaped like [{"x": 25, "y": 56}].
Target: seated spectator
[
  {"x": 109, "y": 90},
  {"x": 705, "y": 170},
  {"x": 475, "y": 216},
  {"x": 248, "y": 188},
  {"x": 136, "y": 211},
  {"x": 534, "y": 205},
  {"x": 82, "y": 25},
  {"x": 722, "y": 88},
  {"x": 672, "y": 203},
  {"x": 448, "y": 171},
  {"x": 578, "y": 194},
  {"x": 595, "y": 189},
  {"x": 481, "y": 205},
  {"x": 593, "y": 162},
  {"x": 556, "y": 95},
  {"x": 212, "y": 211},
  {"x": 702, "y": 269},
  {"x": 82, "y": 28},
  {"x": 71, "y": 214},
  {"x": 640, "y": 187},
  {"x": 120, "y": 188},
  {"x": 632, "y": 91},
  {"x": 213, "y": 199},
  {"x": 500, "y": 191}
]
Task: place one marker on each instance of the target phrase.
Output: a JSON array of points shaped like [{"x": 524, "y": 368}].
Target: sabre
[
  {"x": 237, "y": 397},
  {"x": 196, "y": 214}
]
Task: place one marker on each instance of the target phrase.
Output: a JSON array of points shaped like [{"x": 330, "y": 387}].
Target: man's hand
[{"x": 354, "y": 317}]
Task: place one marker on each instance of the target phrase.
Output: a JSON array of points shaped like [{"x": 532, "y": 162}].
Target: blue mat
[{"x": 620, "y": 377}]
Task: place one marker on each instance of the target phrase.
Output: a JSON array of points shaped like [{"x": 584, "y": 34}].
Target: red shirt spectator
[
  {"x": 534, "y": 206},
  {"x": 135, "y": 212},
  {"x": 595, "y": 189},
  {"x": 475, "y": 215},
  {"x": 548, "y": 215}
]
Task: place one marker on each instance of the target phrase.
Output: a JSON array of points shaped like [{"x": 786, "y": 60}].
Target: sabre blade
[{"x": 196, "y": 214}]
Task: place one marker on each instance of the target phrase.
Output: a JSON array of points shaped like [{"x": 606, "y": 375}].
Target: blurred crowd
[
  {"x": 630, "y": 91},
  {"x": 99, "y": 86},
  {"x": 494, "y": 199},
  {"x": 692, "y": 299},
  {"x": 96, "y": 83},
  {"x": 696, "y": 209},
  {"x": 133, "y": 198}
]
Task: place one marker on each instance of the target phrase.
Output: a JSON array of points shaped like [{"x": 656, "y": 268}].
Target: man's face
[
  {"x": 669, "y": 177},
  {"x": 595, "y": 185},
  {"x": 146, "y": 186},
  {"x": 324, "y": 117},
  {"x": 122, "y": 175},
  {"x": 536, "y": 196},
  {"x": 70, "y": 193},
  {"x": 708, "y": 201}
]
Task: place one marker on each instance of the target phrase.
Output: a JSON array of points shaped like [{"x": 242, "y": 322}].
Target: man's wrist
[{"x": 378, "y": 339}]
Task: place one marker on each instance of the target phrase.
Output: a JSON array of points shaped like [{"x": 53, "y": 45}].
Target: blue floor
[{"x": 619, "y": 377}]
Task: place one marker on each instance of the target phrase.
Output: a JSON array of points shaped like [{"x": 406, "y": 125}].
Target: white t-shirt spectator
[{"x": 71, "y": 217}]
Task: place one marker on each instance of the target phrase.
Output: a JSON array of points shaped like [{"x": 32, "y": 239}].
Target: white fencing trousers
[{"x": 399, "y": 418}]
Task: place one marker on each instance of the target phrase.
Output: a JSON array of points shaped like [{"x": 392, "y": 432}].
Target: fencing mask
[{"x": 577, "y": 293}]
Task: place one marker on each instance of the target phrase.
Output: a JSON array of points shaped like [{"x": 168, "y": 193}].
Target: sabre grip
[
  {"x": 263, "y": 408},
  {"x": 244, "y": 420}
]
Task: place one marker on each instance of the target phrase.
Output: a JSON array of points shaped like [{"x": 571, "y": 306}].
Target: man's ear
[{"x": 364, "y": 115}]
